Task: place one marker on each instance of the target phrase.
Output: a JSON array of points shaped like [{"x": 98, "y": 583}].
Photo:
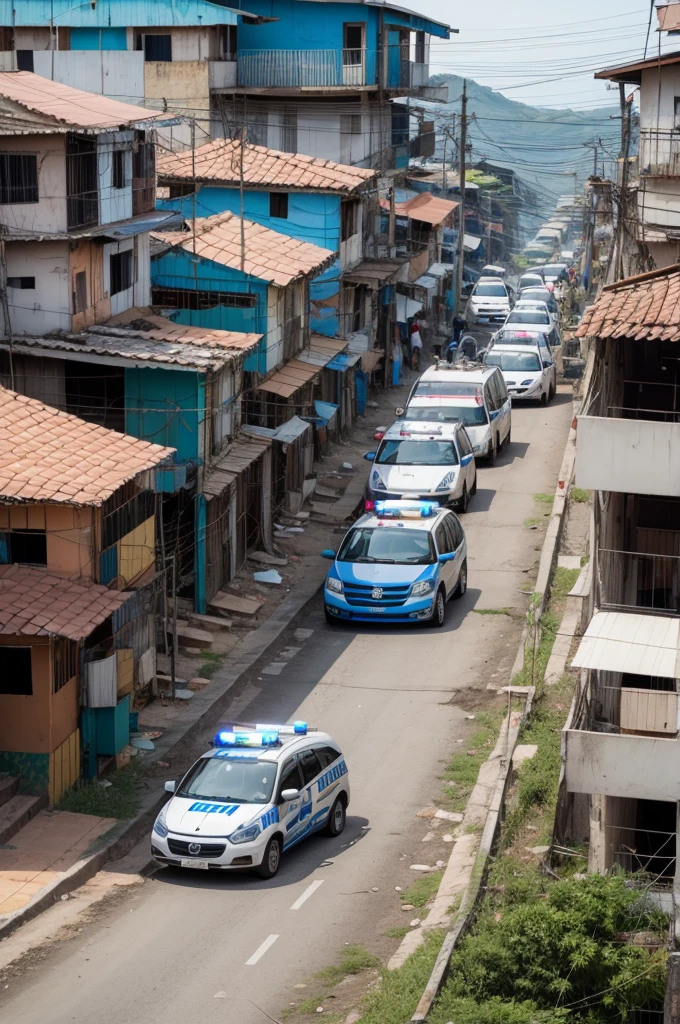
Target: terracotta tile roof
[
  {"x": 34, "y": 602},
  {"x": 63, "y": 106},
  {"x": 48, "y": 455},
  {"x": 220, "y": 161},
  {"x": 425, "y": 207},
  {"x": 269, "y": 255},
  {"x": 646, "y": 308},
  {"x": 153, "y": 325}
]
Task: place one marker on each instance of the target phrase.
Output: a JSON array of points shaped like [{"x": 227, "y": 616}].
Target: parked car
[
  {"x": 521, "y": 316},
  {"x": 476, "y": 395},
  {"x": 530, "y": 279},
  {"x": 541, "y": 295},
  {"x": 544, "y": 341},
  {"x": 528, "y": 370},
  {"x": 555, "y": 273},
  {"x": 423, "y": 461},
  {"x": 489, "y": 302}
]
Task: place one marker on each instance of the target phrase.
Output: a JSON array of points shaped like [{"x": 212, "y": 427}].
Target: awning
[
  {"x": 369, "y": 360},
  {"x": 285, "y": 434},
  {"x": 345, "y": 361},
  {"x": 286, "y": 381},
  {"x": 373, "y": 273},
  {"x": 645, "y": 645},
  {"x": 321, "y": 350},
  {"x": 406, "y": 308},
  {"x": 425, "y": 282},
  {"x": 440, "y": 269},
  {"x": 325, "y": 411},
  {"x": 243, "y": 452},
  {"x": 471, "y": 242}
]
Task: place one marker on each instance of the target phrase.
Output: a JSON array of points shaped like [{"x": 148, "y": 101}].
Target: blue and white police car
[
  {"x": 399, "y": 563},
  {"x": 258, "y": 792}
]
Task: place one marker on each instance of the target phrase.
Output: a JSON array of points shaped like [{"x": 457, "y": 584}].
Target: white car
[
  {"x": 489, "y": 302},
  {"x": 257, "y": 793},
  {"x": 524, "y": 303},
  {"x": 528, "y": 371},
  {"x": 522, "y": 318},
  {"x": 424, "y": 460}
]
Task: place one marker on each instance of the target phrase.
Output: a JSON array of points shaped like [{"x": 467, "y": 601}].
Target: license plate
[
  {"x": 377, "y": 610},
  {"x": 203, "y": 864}
]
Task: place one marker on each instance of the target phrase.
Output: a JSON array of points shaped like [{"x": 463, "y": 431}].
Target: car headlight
[
  {"x": 447, "y": 483},
  {"x": 424, "y": 587},
  {"x": 245, "y": 835},
  {"x": 335, "y": 585},
  {"x": 377, "y": 482},
  {"x": 159, "y": 827},
  {"x": 526, "y": 383}
]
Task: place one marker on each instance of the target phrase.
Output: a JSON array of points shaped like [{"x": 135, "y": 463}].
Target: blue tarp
[{"x": 325, "y": 411}]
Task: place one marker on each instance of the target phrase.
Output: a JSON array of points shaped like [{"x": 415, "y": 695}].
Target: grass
[
  {"x": 395, "y": 999},
  {"x": 353, "y": 960},
  {"x": 534, "y": 521},
  {"x": 462, "y": 770},
  {"x": 544, "y": 499},
  {"x": 119, "y": 800},
  {"x": 491, "y": 611},
  {"x": 538, "y": 651},
  {"x": 397, "y": 933},
  {"x": 579, "y": 495},
  {"x": 423, "y": 890},
  {"x": 210, "y": 664}
]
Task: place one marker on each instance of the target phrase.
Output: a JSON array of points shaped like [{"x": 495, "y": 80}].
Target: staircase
[{"x": 15, "y": 810}]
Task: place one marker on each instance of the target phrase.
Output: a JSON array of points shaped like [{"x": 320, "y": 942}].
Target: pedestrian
[
  {"x": 416, "y": 346},
  {"x": 423, "y": 328}
]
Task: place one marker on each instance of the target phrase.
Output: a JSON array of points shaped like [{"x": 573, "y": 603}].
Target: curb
[
  {"x": 542, "y": 589},
  {"x": 122, "y": 837}
]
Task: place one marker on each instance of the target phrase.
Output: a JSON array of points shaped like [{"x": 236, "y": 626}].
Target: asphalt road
[{"x": 186, "y": 947}]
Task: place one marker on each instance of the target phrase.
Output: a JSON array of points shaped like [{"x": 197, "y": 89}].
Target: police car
[
  {"x": 428, "y": 461},
  {"x": 258, "y": 792},
  {"x": 399, "y": 563}
]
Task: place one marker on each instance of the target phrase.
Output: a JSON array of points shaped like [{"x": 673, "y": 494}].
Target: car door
[
  {"x": 458, "y": 544},
  {"x": 443, "y": 541},
  {"x": 310, "y": 767},
  {"x": 467, "y": 458},
  {"x": 503, "y": 404},
  {"x": 289, "y": 810}
]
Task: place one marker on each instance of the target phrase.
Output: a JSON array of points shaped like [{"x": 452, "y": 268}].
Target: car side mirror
[
  {"x": 448, "y": 556},
  {"x": 466, "y": 460},
  {"x": 370, "y": 456},
  {"x": 289, "y": 794},
  {"x": 170, "y": 787},
  {"x": 328, "y": 553},
  {"x": 398, "y": 411}
]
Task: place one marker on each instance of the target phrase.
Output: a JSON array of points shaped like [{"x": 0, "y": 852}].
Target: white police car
[{"x": 257, "y": 793}]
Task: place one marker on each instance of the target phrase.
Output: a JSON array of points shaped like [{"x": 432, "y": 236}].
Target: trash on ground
[{"x": 268, "y": 576}]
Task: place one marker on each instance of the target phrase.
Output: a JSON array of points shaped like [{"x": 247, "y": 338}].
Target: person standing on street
[{"x": 416, "y": 347}]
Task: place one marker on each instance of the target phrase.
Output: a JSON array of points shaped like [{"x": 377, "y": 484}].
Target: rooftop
[
  {"x": 269, "y": 255},
  {"x": 30, "y": 103},
  {"x": 154, "y": 326},
  {"x": 220, "y": 161},
  {"x": 49, "y": 455},
  {"x": 424, "y": 207},
  {"x": 633, "y": 72},
  {"x": 645, "y": 307},
  {"x": 34, "y": 602}
]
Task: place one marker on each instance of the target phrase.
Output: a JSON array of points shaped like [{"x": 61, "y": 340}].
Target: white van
[
  {"x": 476, "y": 395},
  {"x": 528, "y": 371}
]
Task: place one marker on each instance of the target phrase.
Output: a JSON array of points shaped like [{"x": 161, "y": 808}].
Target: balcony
[
  {"x": 616, "y": 764},
  {"x": 222, "y": 74},
  {"x": 639, "y": 580},
  {"x": 304, "y": 69},
  {"x": 631, "y": 451},
  {"x": 659, "y": 152}
]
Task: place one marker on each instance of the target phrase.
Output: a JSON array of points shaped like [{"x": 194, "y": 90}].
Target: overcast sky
[{"x": 543, "y": 53}]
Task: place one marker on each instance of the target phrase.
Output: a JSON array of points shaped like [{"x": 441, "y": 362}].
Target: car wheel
[
  {"x": 462, "y": 581},
  {"x": 544, "y": 399},
  {"x": 337, "y": 818},
  {"x": 551, "y": 392},
  {"x": 439, "y": 613},
  {"x": 493, "y": 451},
  {"x": 509, "y": 437},
  {"x": 272, "y": 858},
  {"x": 473, "y": 489},
  {"x": 330, "y": 619},
  {"x": 464, "y": 500}
]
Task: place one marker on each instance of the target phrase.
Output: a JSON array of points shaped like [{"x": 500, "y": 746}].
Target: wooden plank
[
  {"x": 209, "y": 621},
  {"x": 189, "y": 636},
  {"x": 224, "y": 602}
]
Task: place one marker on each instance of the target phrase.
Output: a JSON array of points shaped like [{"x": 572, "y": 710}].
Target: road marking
[
  {"x": 259, "y": 953},
  {"x": 309, "y": 891}
]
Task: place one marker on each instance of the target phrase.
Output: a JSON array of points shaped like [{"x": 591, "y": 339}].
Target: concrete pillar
[{"x": 597, "y": 851}]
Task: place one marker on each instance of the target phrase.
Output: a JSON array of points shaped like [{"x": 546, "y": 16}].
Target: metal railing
[
  {"x": 301, "y": 68},
  {"x": 635, "y": 579},
  {"x": 651, "y": 415},
  {"x": 659, "y": 151}
]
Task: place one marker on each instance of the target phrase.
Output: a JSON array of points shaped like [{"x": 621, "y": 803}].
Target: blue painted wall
[
  {"x": 116, "y": 13},
  {"x": 311, "y": 218},
  {"x": 98, "y": 39},
  {"x": 179, "y": 269},
  {"x": 162, "y": 406}
]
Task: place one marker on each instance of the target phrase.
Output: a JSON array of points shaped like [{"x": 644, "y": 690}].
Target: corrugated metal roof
[
  {"x": 63, "y": 105},
  {"x": 117, "y": 13},
  {"x": 669, "y": 17},
  {"x": 143, "y": 222},
  {"x": 645, "y": 307},
  {"x": 633, "y": 72},
  {"x": 373, "y": 273},
  {"x": 286, "y": 381},
  {"x": 646, "y": 645},
  {"x": 423, "y": 207},
  {"x": 161, "y": 328},
  {"x": 220, "y": 161},
  {"x": 243, "y": 452}
]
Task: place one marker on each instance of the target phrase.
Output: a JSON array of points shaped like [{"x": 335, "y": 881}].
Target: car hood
[
  {"x": 485, "y": 302},
  {"x": 202, "y": 818},
  {"x": 375, "y": 574},
  {"x": 411, "y": 479},
  {"x": 478, "y": 435},
  {"x": 516, "y": 377}
]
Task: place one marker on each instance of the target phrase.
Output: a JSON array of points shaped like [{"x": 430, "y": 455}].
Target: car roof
[
  {"x": 374, "y": 521},
  {"x": 509, "y": 347},
  {"x": 473, "y": 374},
  {"x": 287, "y": 745},
  {"x": 423, "y": 430}
]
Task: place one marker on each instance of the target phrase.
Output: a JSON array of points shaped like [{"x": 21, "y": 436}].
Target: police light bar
[
  {"x": 233, "y": 738},
  {"x": 296, "y": 729},
  {"x": 399, "y": 509}
]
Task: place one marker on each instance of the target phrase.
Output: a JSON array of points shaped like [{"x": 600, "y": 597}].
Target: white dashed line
[
  {"x": 309, "y": 891},
  {"x": 259, "y": 953}
]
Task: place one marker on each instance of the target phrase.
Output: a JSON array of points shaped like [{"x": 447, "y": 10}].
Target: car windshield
[
  {"x": 520, "y": 338},
  {"x": 490, "y": 289},
  {"x": 525, "y": 282},
  {"x": 393, "y": 545},
  {"x": 445, "y": 389},
  {"x": 472, "y": 415},
  {"x": 417, "y": 453},
  {"x": 553, "y": 270},
  {"x": 516, "y": 361},
  {"x": 528, "y": 316},
  {"x": 235, "y": 782},
  {"x": 537, "y": 295}
]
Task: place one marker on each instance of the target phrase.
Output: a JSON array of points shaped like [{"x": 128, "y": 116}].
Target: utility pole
[
  {"x": 392, "y": 223},
  {"x": 458, "y": 305}
]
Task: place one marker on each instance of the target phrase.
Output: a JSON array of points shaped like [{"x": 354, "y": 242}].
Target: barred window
[
  {"x": 18, "y": 178},
  {"x": 65, "y": 662}
]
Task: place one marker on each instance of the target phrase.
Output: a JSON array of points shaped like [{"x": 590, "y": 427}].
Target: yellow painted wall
[
  {"x": 125, "y": 669},
  {"x": 137, "y": 550},
  {"x": 25, "y": 723},
  {"x": 64, "y": 767},
  {"x": 89, "y": 257},
  {"x": 69, "y": 533}
]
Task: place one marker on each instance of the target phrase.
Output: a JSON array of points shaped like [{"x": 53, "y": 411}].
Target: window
[
  {"x": 443, "y": 539},
  {"x": 21, "y": 282},
  {"x": 349, "y": 211},
  {"x": 187, "y": 298},
  {"x": 327, "y": 755},
  {"x": 229, "y": 782},
  {"x": 26, "y": 546},
  {"x": 417, "y": 453},
  {"x": 289, "y": 130},
  {"x": 15, "y": 671},
  {"x": 502, "y": 390},
  {"x": 18, "y": 178},
  {"x": 278, "y": 204},
  {"x": 353, "y": 43},
  {"x": 388, "y": 544},
  {"x": 464, "y": 443},
  {"x": 80, "y": 292},
  {"x": 118, "y": 170},
  {"x": 24, "y": 60},
  {"x": 229, "y": 42},
  {"x": 420, "y": 48},
  {"x": 350, "y": 124},
  {"x": 290, "y": 776},
  {"x": 451, "y": 533},
  {"x": 64, "y": 663},
  {"x": 155, "y": 47},
  {"x": 121, "y": 265},
  {"x": 309, "y": 763}
]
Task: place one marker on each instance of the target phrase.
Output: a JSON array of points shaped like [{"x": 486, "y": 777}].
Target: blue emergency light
[
  {"x": 396, "y": 508},
  {"x": 296, "y": 729},
  {"x": 232, "y": 738}
]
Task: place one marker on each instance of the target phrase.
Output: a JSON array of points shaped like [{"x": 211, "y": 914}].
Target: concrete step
[
  {"x": 9, "y": 787},
  {"x": 17, "y": 812}
]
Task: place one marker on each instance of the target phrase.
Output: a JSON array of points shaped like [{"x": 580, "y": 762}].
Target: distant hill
[{"x": 539, "y": 143}]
